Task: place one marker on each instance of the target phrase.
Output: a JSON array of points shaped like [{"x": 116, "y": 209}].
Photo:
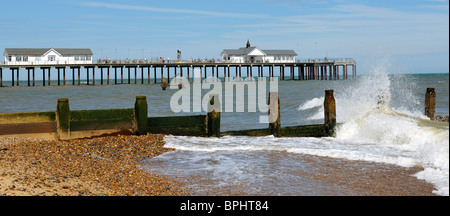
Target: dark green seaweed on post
[
  {"x": 140, "y": 115},
  {"x": 63, "y": 118}
]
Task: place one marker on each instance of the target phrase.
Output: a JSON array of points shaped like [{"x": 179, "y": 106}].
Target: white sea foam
[{"x": 381, "y": 123}]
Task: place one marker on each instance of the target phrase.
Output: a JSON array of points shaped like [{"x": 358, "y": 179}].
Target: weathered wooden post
[
  {"x": 330, "y": 113},
  {"x": 33, "y": 77},
  {"x": 63, "y": 119},
  {"x": 214, "y": 115},
  {"x": 140, "y": 115},
  {"x": 58, "y": 68},
  {"x": 274, "y": 114},
  {"x": 164, "y": 84},
  {"x": 64, "y": 75},
  {"x": 430, "y": 103}
]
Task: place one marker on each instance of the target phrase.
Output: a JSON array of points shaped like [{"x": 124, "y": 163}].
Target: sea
[{"x": 398, "y": 133}]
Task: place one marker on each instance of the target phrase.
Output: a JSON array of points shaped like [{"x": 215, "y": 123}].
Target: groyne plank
[
  {"x": 179, "y": 125},
  {"x": 251, "y": 132},
  {"x": 82, "y": 120},
  {"x": 303, "y": 131},
  {"x": 27, "y": 117},
  {"x": 28, "y": 128}
]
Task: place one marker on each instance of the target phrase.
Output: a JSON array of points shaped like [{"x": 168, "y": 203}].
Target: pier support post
[
  {"x": 154, "y": 74},
  {"x": 49, "y": 76},
  {"x": 187, "y": 68},
  {"x": 43, "y": 76},
  {"x": 1, "y": 77},
  {"x": 115, "y": 75},
  {"x": 58, "y": 75},
  {"x": 162, "y": 73},
  {"x": 121, "y": 75},
  {"x": 430, "y": 103},
  {"x": 64, "y": 75},
  {"x": 63, "y": 118},
  {"x": 87, "y": 75},
  {"x": 101, "y": 75},
  {"x": 302, "y": 72},
  {"x": 142, "y": 75},
  {"x": 148, "y": 75},
  {"x": 214, "y": 115},
  {"x": 330, "y": 113},
  {"x": 274, "y": 114},
  {"x": 135, "y": 75},
  {"x": 93, "y": 75},
  {"x": 168, "y": 74},
  {"x": 73, "y": 75},
  {"x": 140, "y": 115},
  {"x": 28, "y": 69},
  {"x": 240, "y": 70},
  {"x": 129, "y": 74},
  {"x": 107, "y": 75},
  {"x": 33, "y": 77},
  {"x": 18, "y": 76}
]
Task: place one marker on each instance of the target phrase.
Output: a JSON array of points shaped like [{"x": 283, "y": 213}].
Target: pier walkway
[{"x": 324, "y": 69}]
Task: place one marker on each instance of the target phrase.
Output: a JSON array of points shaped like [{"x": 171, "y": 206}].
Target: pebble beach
[
  {"x": 102, "y": 166},
  {"x": 110, "y": 166}
]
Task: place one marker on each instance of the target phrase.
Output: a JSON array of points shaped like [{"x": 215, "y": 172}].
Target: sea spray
[
  {"x": 382, "y": 110},
  {"x": 391, "y": 132},
  {"x": 382, "y": 115}
]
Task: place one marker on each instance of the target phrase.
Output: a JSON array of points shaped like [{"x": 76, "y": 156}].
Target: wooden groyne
[
  {"x": 317, "y": 130},
  {"x": 320, "y": 70},
  {"x": 70, "y": 124},
  {"x": 430, "y": 106}
]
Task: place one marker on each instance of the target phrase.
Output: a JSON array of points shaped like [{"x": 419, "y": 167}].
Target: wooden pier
[{"x": 320, "y": 70}]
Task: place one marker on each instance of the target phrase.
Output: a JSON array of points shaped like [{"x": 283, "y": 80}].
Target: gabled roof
[
  {"x": 246, "y": 51},
  {"x": 240, "y": 51},
  {"x": 42, "y": 51},
  {"x": 280, "y": 52},
  {"x": 25, "y": 51}
]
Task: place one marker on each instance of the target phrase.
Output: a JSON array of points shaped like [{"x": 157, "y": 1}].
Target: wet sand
[
  {"x": 106, "y": 166},
  {"x": 323, "y": 176}
]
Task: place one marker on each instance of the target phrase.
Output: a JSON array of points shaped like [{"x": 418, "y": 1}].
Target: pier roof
[
  {"x": 42, "y": 51},
  {"x": 247, "y": 50}
]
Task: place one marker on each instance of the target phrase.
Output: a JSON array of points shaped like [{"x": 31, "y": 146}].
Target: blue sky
[{"x": 412, "y": 34}]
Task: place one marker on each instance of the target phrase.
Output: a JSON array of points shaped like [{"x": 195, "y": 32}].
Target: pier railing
[
  {"x": 327, "y": 60},
  {"x": 153, "y": 61}
]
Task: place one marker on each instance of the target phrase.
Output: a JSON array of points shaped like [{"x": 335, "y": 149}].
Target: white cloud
[{"x": 169, "y": 10}]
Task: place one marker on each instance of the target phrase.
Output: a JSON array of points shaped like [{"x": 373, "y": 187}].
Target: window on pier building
[
  {"x": 51, "y": 58},
  {"x": 18, "y": 58}
]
